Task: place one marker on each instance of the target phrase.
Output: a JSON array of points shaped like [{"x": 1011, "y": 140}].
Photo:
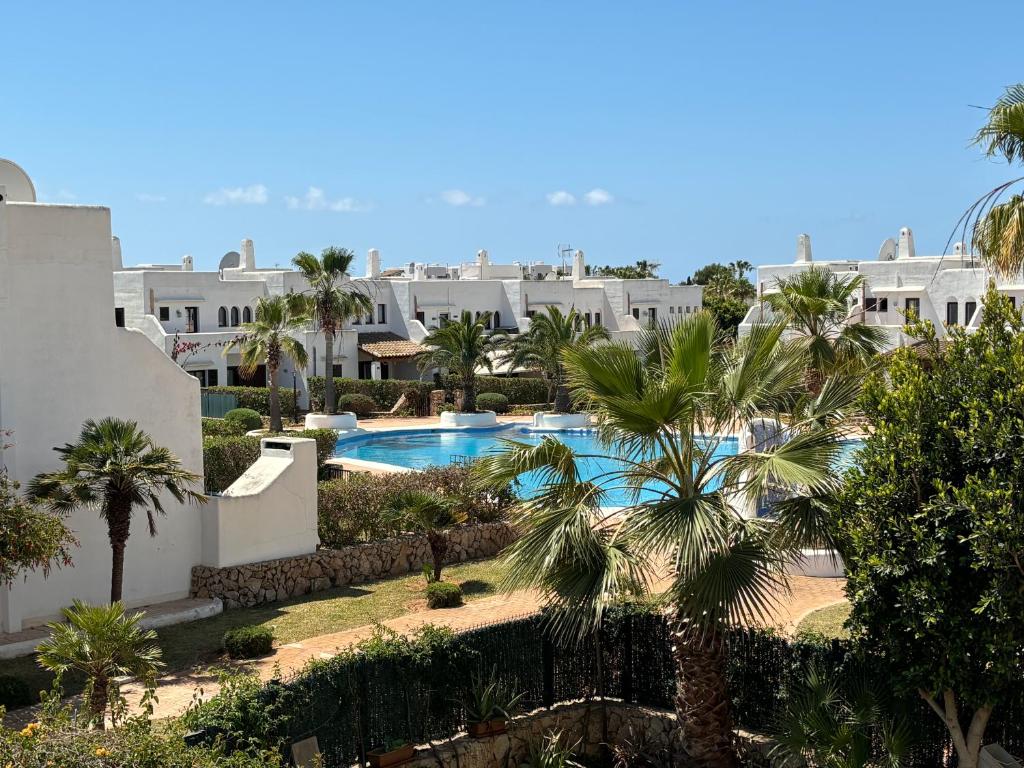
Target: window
[
  {"x": 1013, "y": 302},
  {"x": 191, "y": 319},
  {"x": 913, "y": 307},
  {"x": 234, "y": 317},
  {"x": 680, "y": 310},
  {"x": 119, "y": 317},
  {"x": 597, "y": 318},
  {"x": 165, "y": 313},
  {"x": 382, "y": 313},
  {"x": 636, "y": 312},
  {"x": 222, "y": 317},
  {"x": 952, "y": 313},
  {"x": 497, "y": 319},
  {"x": 586, "y": 319},
  {"x": 970, "y": 307},
  {"x": 369, "y": 317},
  {"x": 652, "y": 315},
  {"x": 443, "y": 317},
  {"x": 365, "y": 369},
  {"x": 531, "y": 312},
  {"x": 672, "y": 309},
  {"x": 688, "y": 309},
  {"x": 211, "y": 377},
  {"x": 873, "y": 304},
  {"x": 247, "y": 314},
  {"x": 421, "y": 317}
]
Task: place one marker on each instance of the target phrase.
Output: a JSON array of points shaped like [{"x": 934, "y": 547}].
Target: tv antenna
[{"x": 564, "y": 250}]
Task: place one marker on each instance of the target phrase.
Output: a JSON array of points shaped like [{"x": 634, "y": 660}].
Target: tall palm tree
[
  {"x": 741, "y": 267},
  {"x": 665, "y": 418},
  {"x": 430, "y": 514},
  {"x": 103, "y": 643},
  {"x": 267, "y": 340},
  {"x": 998, "y": 231},
  {"x": 815, "y": 304},
  {"x": 116, "y": 468},
  {"x": 329, "y": 303},
  {"x": 461, "y": 346},
  {"x": 542, "y": 346}
]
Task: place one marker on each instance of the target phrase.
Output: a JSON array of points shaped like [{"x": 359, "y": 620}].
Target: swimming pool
[{"x": 418, "y": 449}]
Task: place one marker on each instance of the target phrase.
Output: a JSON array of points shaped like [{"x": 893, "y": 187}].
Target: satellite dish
[
  {"x": 888, "y": 250},
  {"x": 19, "y": 186},
  {"x": 230, "y": 260}
]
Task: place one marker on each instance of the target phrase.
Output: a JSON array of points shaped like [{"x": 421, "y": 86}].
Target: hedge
[
  {"x": 519, "y": 391},
  {"x": 443, "y": 594},
  {"x": 258, "y": 398},
  {"x": 492, "y": 401},
  {"x": 249, "y": 641},
  {"x": 221, "y": 428},
  {"x": 360, "y": 405},
  {"x": 225, "y": 458},
  {"x": 246, "y": 418},
  {"x": 356, "y": 509},
  {"x": 385, "y": 392}
]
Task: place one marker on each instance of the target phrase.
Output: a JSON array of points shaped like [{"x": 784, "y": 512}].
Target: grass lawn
[
  {"x": 333, "y": 610},
  {"x": 825, "y": 622}
]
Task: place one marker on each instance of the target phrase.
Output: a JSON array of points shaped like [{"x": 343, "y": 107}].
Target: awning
[{"x": 385, "y": 345}]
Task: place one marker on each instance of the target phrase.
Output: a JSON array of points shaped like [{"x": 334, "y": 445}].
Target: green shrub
[
  {"x": 258, "y": 398},
  {"x": 360, "y": 405},
  {"x": 519, "y": 391},
  {"x": 226, "y": 458},
  {"x": 248, "y": 642},
  {"x": 385, "y": 392},
  {"x": 492, "y": 401},
  {"x": 14, "y": 692},
  {"x": 443, "y": 594},
  {"x": 221, "y": 428},
  {"x": 246, "y": 418}
]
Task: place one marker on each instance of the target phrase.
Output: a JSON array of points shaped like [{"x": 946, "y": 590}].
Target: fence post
[
  {"x": 627, "y": 660},
  {"x": 548, "y": 662}
]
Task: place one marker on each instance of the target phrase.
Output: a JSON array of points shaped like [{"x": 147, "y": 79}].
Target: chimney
[
  {"x": 803, "y": 249},
  {"x": 579, "y": 266},
  {"x": 906, "y": 248},
  {"x": 186, "y": 263},
  {"x": 484, "y": 262},
  {"x": 248, "y": 261},
  {"x": 373, "y": 263},
  {"x": 115, "y": 253}
]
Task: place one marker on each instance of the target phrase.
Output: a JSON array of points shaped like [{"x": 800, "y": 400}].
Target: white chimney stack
[
  {"x": 248, "y": 262},
  {"x": 579, "y": 266},
  {"x": 186, "y": 263},
  {"x": 483, "y": 260},
  {"x": 906, "y": 249},
  {"x": 803, "y": 249},
  {"x": 373, "y": 263},
  {"x": 115, "y": 253}
]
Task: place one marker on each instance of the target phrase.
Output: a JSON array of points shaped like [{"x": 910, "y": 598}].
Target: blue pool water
[{"x": 418, "y": 449}]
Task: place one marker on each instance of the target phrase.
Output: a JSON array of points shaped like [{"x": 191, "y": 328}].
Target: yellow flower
[
  {"x": 102, "y": 752},
  {"x": 29, "y": 730}
]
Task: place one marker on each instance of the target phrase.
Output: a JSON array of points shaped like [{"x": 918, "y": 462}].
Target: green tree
[
  {"x": 544, "y": 344},
  {"x": 103, "y": 643},
  {"x": 728, "y": 312},
  {"x": 329, "y": 303},
  {"x": 642, "y": 270},
  {"x": 931, "y": 523},
  {"x": 430, "y": 514},
  {"x": 665, "y": 415},
  {"x": 461, "y": 346},
  {"x": 267, "y": 340},
  {"x": 116, "y": 468}
]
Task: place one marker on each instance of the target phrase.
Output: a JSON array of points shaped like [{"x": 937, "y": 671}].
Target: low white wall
[
  {"x": 479, "y": 419},
  {"x": 818, "y": 563},
  {"x": 267, "y": 513}
]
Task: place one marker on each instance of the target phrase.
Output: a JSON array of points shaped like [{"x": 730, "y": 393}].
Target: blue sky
[{"x": 677, "y": 132}]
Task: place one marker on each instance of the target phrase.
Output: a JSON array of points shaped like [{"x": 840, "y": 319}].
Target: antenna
[{"x": 563, "y": 249}]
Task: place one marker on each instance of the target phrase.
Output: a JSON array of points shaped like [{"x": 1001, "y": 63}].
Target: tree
[
  {"x": 115, "y": 467},
  {"x": 998, "y": 229},
  {"x": 815, "y": 304},
  {"x": 103, "y": 643},
  {"x": 267, "y": 340},
  {"x": 329, "y": 303},
  {"x": 542, "y": 346},
  {"x": 430, "y": 514},
  {"x": 665, "y": 415},
  {"x": 727, "y": 292},
  {"x": 741, "y": 267},
  {"x": 931, "y": 524},
  {"x": 461, "y": 346},
  {"x": 642, "y": 270},
  {"x": 728, "y": 312}
]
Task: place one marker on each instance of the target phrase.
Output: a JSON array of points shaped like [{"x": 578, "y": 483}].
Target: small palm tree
[
  {"x": 543, "y": 345},
  {"x": 815, "y": 304},
  {"x": 267, "y": 340},
  {"x": 666, "y": 415},
  {"x": 461, "y": 346},
  {"x": 329, "y": 303},
  {"x": 429, "y": 514},
  {"x": 116, "y": 468},
  {"x": 103, "y": 643}
]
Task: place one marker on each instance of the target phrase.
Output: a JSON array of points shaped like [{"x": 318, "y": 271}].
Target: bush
[
  {"x": 221, "y": 428},
  {"x": 360, "y": 405},
  {"x": 492, "y": 401},
  {"x": 444, "y": 594},
  {"x": 385, "y": 392},
  {"x": 226, "y": 458},
  {"x": 246, "y": 418},
  {"x": 519, "y": 391},
  {"x": 248, "y": 642},
  {"x": 258, "y": 398},
  {"x": 14, "y": 692}
]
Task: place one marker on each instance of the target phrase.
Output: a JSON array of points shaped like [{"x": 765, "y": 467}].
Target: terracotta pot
[
  {"x": 489, "y": 728},
  {"x": 381, "y": 758}
]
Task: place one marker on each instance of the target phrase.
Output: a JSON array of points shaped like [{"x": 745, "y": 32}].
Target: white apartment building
[
  {"x": 946, "y": 289},
  {"x": 199, "y": 313}
]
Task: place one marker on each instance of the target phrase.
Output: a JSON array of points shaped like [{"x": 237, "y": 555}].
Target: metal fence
[{"x": 216, "y": 404}]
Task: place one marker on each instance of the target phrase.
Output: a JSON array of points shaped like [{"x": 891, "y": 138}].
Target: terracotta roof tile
[{"x": 387, "y": 345}]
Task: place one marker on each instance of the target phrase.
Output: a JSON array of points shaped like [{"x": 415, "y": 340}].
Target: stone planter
[
  {"x": 382, "y": 758},
  {"x": 343, "y": 420},
  {"x": 494, "y": 727},
  {"x": 548, "y": 420},
  {"x": 479, "y": 419}
]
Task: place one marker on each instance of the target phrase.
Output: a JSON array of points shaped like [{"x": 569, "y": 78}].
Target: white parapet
[
  {"x": 267, "y": 513},
  {"x": 479, "y": 419},
  {"x": 548, "y": 420},
  {"x": 343, "y": 420},
  {"x": 818, "y": 563}
]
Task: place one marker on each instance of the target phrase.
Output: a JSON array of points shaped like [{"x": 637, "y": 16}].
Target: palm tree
[
  {"x": 462, "y": 346},
  {"x": 815, "y": 304},
  {"x": 103, "y": 643},
  {"x": 998, "y": 230},
  {"x": 665, "y": 416},
  {"x": 329, "y": 303},
  {"x": 543, "y": 345},
  {"x": 429, "y": 514},
  {"x": 115, "y": 467},
  {"x": 741, "y": 267},
  {"x": 267, "y": 340}
]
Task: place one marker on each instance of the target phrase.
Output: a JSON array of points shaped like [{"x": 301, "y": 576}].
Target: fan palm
[
  {"x": 267, "y": 340},
  {"x": 116, "y": 468},
  {"x": 665, "y": 415},
  {"x": 815, "y": 304},
  {"x": 430, "y": 514},
  {"x": 329, "y": 303},
  {"x": 542, "y": 346},
  {"x": 103, "y": 643},
  {"x": 461, "y": 346}
]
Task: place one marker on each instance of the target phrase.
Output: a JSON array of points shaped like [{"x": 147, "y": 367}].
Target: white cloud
[
  {"x": 598, "y": 196},
  {"x": 254, "y": 194},
  {"x": 316, "y": 200},
  {"x": 146, "y": 197},
  {"x": 561, "y": 197},
  {"x": 459, "y": 198}
]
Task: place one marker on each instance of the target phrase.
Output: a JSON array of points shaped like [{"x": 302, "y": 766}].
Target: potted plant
[
  {"x": 394, "y": 752},
  {"x": 488, "y": 705}
]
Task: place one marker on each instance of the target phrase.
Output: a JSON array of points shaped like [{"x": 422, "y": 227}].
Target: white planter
[
  {"x": 818, "y": 563},
  {"x": 343, "y": 420},
  {"x": 548, "y": 420},
  {"x": 480, "y": 419}
]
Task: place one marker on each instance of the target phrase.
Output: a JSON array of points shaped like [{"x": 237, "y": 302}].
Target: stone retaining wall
[{"x": 265, "y": 582}]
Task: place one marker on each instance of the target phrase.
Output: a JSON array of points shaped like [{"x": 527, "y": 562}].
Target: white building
[
  {"x": 174, "y": 303},
  {"x": 946, "y": 290}
]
